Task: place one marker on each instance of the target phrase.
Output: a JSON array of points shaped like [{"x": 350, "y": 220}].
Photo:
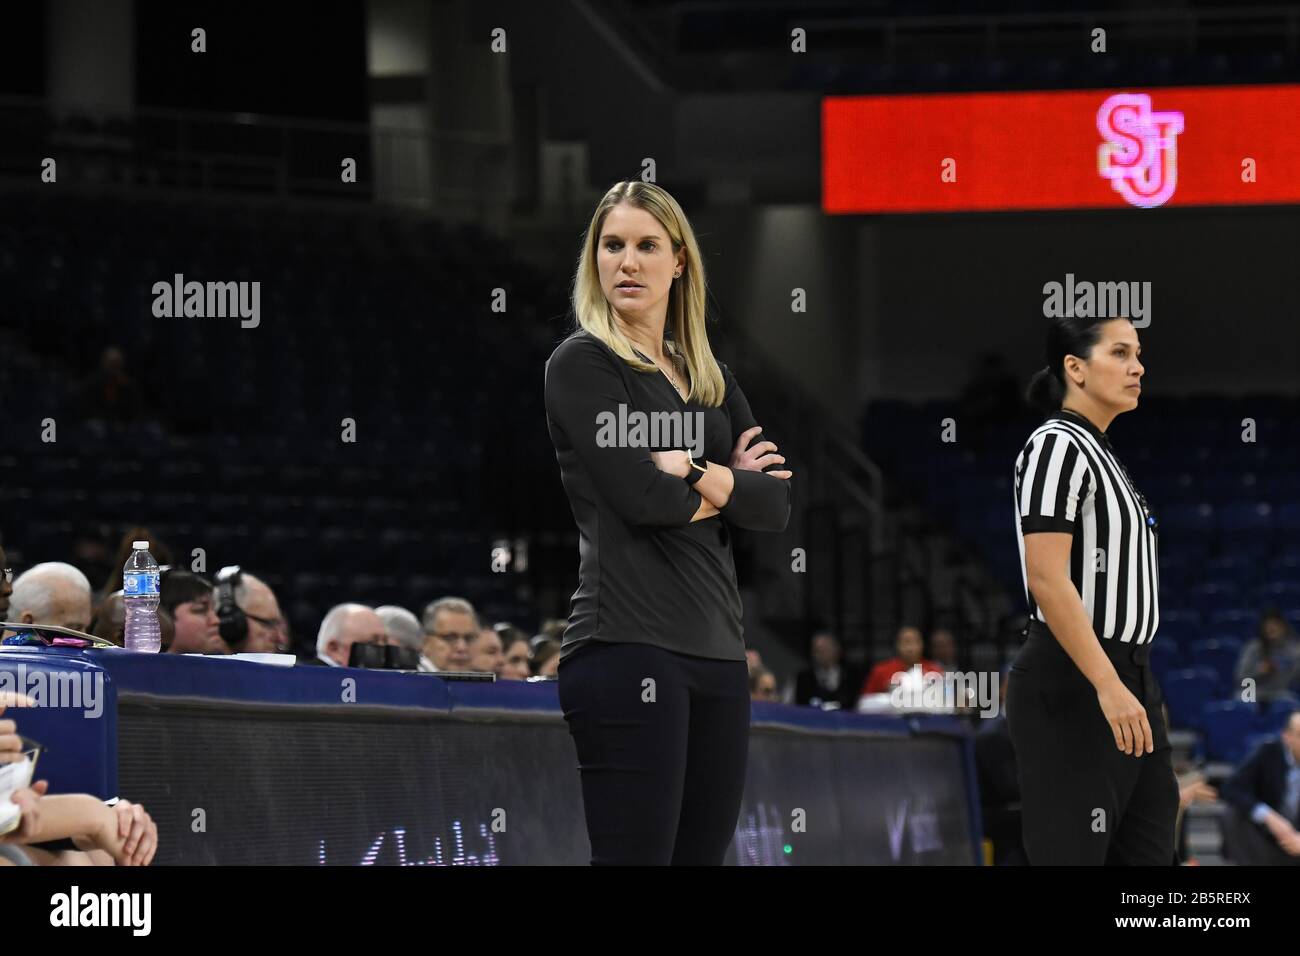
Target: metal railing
[
  {"x": 997, "y": 34},
  {"x": 253, "y": 154},
  {"x": 862, "y": 552},
  {"x": 856, "y": 40},
  {"x": 1000, "y": 34}
]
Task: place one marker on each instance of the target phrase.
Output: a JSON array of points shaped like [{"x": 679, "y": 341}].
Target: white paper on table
[{"x": 13, "y": 776}]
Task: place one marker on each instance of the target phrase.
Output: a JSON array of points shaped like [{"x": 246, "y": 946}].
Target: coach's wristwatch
[{"x": 696, "y": 470}]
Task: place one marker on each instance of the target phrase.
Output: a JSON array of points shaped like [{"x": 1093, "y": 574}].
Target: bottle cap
[{"x": 140, "y": 545}]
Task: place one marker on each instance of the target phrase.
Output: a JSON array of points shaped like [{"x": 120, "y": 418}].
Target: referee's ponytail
[
  {"x": 1065, "y": 336},
  {"x": 1045, "y": 392}
]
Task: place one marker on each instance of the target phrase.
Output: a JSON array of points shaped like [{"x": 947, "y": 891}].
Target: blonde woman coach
[{"x": 653, "y": 680}]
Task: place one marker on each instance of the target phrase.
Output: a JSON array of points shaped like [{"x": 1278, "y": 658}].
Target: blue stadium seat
[
  {"x": 1166, "y": 656},
  {"x": 1220, "y": 656},
  {"x": 1287, "y": 515},
  {"x": 1226, "y": 725},
  {"x": 1184, "y": 631},
  {"x": 1273, "y": 714},
  {"x": 1238, "y": 620},
  {"x": 1186, "y": 692},
  {"x": 1253, "y": 742},
  {"x": 1192, "y": 518},
  {"x": 1244, "y": 517}
]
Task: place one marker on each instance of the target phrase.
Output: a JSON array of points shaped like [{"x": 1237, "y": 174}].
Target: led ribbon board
[{"x": 1145, "y": 148}]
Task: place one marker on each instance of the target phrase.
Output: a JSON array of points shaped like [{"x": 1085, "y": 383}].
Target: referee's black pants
[
  {"x": 1084, "y": 801},
  {"x": 662, "y": 764}
]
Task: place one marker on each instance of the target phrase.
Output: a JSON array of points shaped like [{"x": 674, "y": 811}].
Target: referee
[{"x": 1084, "y": 710}]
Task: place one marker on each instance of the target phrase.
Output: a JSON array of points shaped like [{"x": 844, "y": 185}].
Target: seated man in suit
[
  {"x": 829, "y": 679},
  {"x": 1264, "y": 797}
]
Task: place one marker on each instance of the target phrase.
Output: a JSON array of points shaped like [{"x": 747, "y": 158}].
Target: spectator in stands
[
  {"x": 553, "y": 628},
  {"x": 908, "y": 644},
  {"x": 109, "y": 619},
  {"x": 829, "y": 680},
  {"x": 187, "y": 597},
  {"x": 52, "y": 593},
  {"x": 1272, "y": 659},
  {"x": 266, "y": 631},
  {"x": 99, "y": 835},
  {"x": 514, "y": 652},
  {"x": 110, "y": 394},
  {"x": 450, "y": 631},
  {"x": 487, "y": 652},
  {"x": 79, "y": 830},
  {"x": 545, "y": 656},
  {"x": 1263, "y": 794},
  {"x": 343, "y": 626},
  {"x": 943, "y": 648},
  {"x": 6, "y": 585},
  {"x": 402, "y": 627},
  {"x": 762, "y": 684}
]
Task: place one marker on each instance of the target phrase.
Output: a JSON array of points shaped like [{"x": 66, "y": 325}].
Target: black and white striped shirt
[{"x": 1068, "y": 479}]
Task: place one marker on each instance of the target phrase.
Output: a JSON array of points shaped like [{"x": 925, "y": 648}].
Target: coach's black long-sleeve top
[{"x": 647, "y": 574}]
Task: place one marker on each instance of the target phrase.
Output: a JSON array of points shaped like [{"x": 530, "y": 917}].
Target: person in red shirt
[{"x": 909, "y": 647}]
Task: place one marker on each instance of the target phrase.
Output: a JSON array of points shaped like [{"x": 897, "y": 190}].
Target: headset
[{"x": 234, "y": 623}]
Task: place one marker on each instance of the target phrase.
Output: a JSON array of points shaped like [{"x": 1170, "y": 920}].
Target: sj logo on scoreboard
[{"x": 1140, "y": 152}]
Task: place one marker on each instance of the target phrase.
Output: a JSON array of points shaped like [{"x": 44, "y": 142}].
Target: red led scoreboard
[{"x": 1151, "y": 147}]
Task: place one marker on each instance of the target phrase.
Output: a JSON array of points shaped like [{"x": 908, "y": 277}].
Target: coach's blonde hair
[{"x": 685, "y": 299}]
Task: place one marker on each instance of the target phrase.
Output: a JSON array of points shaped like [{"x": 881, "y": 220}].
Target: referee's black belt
[{"x": 1116, "y": 650}]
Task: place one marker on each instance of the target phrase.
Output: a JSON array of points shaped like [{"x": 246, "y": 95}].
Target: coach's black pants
[
  {"x": 662, "y": 742},
  {"x": 1084, "y": 801}
]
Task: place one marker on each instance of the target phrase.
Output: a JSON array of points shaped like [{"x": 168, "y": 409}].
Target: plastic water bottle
[{"x": 140, "y": 599}]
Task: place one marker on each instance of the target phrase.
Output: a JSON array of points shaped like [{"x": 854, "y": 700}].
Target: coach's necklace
[
  {"x": 673, "y": 383},
  {"x": 677, "y": 388}
]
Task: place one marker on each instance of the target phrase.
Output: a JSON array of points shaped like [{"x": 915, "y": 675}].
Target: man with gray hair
[
  {"x": 343, "y": 626},
  {"x": 450, "y": 631},
  {"x": 267, "y": 632},
  {"x": 51, "y": 593},
  {"x": 402, "y": 626}
]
